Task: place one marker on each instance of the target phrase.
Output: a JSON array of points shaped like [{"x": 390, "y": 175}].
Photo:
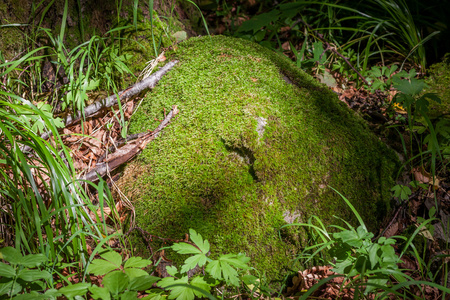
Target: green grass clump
[{"x": 211, "y": 171}]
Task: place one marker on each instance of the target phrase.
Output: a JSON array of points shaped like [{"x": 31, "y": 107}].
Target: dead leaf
[
  {"x": 391, "y": 231},
  {"x": 424, "y": 177}
]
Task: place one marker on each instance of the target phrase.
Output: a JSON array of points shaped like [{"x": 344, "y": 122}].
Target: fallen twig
[
  {"x": 148, "y": 83},
  {"x": 127, "y": 152}
]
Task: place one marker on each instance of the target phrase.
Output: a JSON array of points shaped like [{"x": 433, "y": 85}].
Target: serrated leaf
[
  {"x": 192, "y": 262},
  {"x": 166, "y": 282},
  {"x": 221, "y": 269},
  {"x": 116, "y": 282},
  {"x": 7, "y": 271},
  {"x": 213, "y": 268},
  {"x": 154, "y": 296},
  {"x": 31, "y": 275},
  {"x": 112, "y": 257},
  {"x": 238, "y": 261},
  {"x": 178, "y": 292},
  {"x": 203, "y": 245},
  {"x": 230, "y": 275},
  {"x": 134, "y": 272},
  {"x": 137, "y": 262},
  {"x": 142, "y": 283},
  {"x": 101, "y": 267},
  {"x": 185, "y": 248},
  {"x": 99, "y": 293},
  {"x": 202, "y": 284},
  {"x": 410, "y": 87},
  {"x": 78, "y": 289},
  {"x": 376, "y": 71},
  {"x": 172, "y": 270}
]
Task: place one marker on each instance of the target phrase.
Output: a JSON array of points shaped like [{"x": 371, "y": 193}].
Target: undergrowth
[{"x": 45, "y": 207}]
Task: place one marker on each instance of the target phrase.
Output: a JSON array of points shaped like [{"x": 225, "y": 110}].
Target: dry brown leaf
[
  {"x": 286, "y": 46},
  {"x": 424, "y": 177},
  {"x": 391, "y": 231}
]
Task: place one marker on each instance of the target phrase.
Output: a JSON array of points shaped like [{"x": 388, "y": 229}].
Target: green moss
[
  {"x": 439, "y": 83},
  {"x": 211, "y": 171}
]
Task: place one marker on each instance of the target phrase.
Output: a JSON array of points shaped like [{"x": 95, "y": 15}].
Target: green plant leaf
[
  {"x": 203, "y": 245},
  {"x": 7, "y": 271},
  {"x": 178, "y": 292},
  {"x": 142, "y": 283},
  {"x": 32, "y": 296},
  {"x": 101, "y": 267},
  {"x": 200, "y": 283},
  {"x": 192, "y": 262},
  {"x": 52, "y": 294},
  {"x": 116, "y": 282},
  {"x": 155, "y": 295},
  {"x": 5, "y": 288},
  {"x": 78, "y": 289},
  {"x": 99, "y": 293},
  {"x": 11, "y": 255},
  {"x": 214, "y": 269},
  {"x": 31, "y": 275},
  {"x": 33, "y": 260},
  {"x": 238, "y": 261},
  {"x": 185, "y": 248},
  {"x": 388, "y": 255},
  {"x": 129, "y": 295},
  {"x": 137, "y": 262},
  {"x": 172, "y": 270},
  {"x": 376, "y": 71},
  {"x": 223, "y": 267},
  {"x": 230, "y": 275},
  {"x": 373, "y": 255},
  {"x": 343, "y": 267},
  {"x": 410, "y": 87},
  {"x": 349, "y": 237},
  {"x": 249, "y": 279},
  {"x": 134, "y": 272},
  {"x": 259, "y": 21}
]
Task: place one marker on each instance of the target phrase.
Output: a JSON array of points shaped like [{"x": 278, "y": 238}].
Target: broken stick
[
  {"x": 127, "y": 152},
  {"x": 148, "y": 83}
]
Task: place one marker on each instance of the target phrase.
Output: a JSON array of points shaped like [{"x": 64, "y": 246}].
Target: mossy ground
[
  {"x": 439, "y": 83},
  {"x": 211, "y": 171}
]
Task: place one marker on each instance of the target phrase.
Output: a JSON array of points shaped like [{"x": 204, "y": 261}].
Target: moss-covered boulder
[
  {"x": 438, "y": 82},
  {"x": 255, "y": 146}
]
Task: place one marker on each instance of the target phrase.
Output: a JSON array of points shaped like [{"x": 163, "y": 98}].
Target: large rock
[{"x": 255, "y": 146}]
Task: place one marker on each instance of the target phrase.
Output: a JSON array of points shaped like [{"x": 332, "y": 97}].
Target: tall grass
[
  {"x": 376, "y": 29},
  {"x": 47, "y": 206},
  {"x": 381, "y": 27},
  {"x": 44, "y": 207}
]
